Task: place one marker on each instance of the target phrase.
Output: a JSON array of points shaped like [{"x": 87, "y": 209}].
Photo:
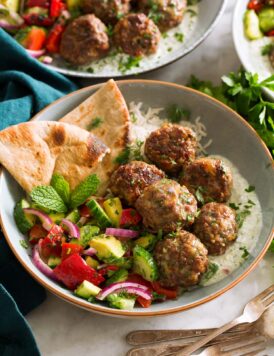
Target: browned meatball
[
  {"x": 84, "y": 40},
  {"x": 166, "y": 206},
  {"x": 165, "y": 13},
  {"x": 271, "y": 56},
  {"x": 137, "y": 35},
  {"x": 210, "y": 177},
  {"x": 108, "y": 11},
  {"x": 216, "y": 227},
  {"x": 171, "y": 147},
  {"x": 181, "y": 260},
  {"x": 129, "y": 180}
]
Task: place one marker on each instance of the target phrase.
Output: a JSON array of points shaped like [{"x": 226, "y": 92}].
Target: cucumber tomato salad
[{"x": 93, "y": 246}]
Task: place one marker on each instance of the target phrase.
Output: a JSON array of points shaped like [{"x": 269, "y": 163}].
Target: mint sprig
[
  {"x": 61, "y": 186},
  {"x": 47, "y": 197},
  {"x": 84, "y": 190}
]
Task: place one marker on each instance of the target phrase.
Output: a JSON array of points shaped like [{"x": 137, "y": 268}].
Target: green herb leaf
[
  {"x": 123, "y": 157},
  {"x": 96, "y": 122},
  {"x": 266, "y": 50},
  {"x": 84, "y": 190},
  {"x": 212, "y": 269},
  {"x": 199, "y": 194},
  {"x": 129, "y": 63},
  {"x": 61, "y": 186},
  {"x": 179, "y": 36},
  {"x": 24, "y": 244},
  {"x": 240, "y": 217},
  {"x": 250, "y": 189},
  {"x": 47, "y": 197},
  {"x": 271, "y": 248},
  {"x": 175, "y": 113},
  {"x": 245, "y": 252}
]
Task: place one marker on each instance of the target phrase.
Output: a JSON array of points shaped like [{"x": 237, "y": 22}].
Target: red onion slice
[
  {"x": 90, "y": 251},
  {"x": 116, "y": 287},
  {"x": 35, "y": 54},
  {"x": 45, "y": 219},
  {"x": 72, "y": 228},
  {"x": 41, "y": 265},
  {"x": 125, "y": 233},
  {"x": 46, "y": 60}
]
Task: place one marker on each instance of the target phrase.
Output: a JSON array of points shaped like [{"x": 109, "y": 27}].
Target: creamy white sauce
[
  {"x": 146, "y": 121},
  {"x": 260, "y": 63},
  {"x": 109, "y": 66}
]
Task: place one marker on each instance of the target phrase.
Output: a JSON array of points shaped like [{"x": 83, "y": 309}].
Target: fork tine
[
  {"x": 254, "y": 353},
  {"x": 267, "y": 302},
  {"x": 264, "y": 294},
  {"x": 245, "y": 346}
]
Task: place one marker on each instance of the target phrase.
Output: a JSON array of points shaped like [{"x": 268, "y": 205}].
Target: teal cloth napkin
[{"x": 26, "y": 87}]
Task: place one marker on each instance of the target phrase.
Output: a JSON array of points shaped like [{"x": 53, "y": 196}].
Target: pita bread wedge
[
  {"x": 33, "y": 151},
  {"x": 106, "y": 115}
]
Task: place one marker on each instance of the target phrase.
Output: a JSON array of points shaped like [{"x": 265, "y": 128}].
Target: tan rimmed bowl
[{"x": 232, "y": 137}]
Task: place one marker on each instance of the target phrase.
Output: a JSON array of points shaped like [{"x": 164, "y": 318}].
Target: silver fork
[
  {"x": 252, "y": 312},
  {"x": 244, "y": 347}
]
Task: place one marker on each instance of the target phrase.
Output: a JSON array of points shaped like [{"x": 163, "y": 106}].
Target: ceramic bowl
[
  {"x": 248, "y": 51},
  {"x": 231, "y": 137},
  {"x": 208, "y": 13}
]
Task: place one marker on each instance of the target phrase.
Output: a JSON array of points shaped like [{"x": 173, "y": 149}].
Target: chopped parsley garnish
[
  {"x": 24, "y": 244},
  {"x": 240, "y": 217},
  {"x": 133, "y": 118},
  {"x": 154, "y": 14},
  {"x": 169, "y": 49},
  {"x": 110, "y": 30},
  {"x": 199, "y": 194},
  {"x": 129, "y": 63},
  {"x": 234, "y": 206},
  {"x": 90, "y": 70},
  {"x": 250, "y": 189},
  {"x": 175, "y": 113},
  {"x": 212, "y": 269},
  {"x": 132, "y": 152},
  {"x": 164, "y": 35},
  {"x": 191, "y": 12},
  {"x": 266, "y": 50},
  {"x": 245, "y": 252},
  {"x": 95, "y": 123},
  {"x": 251, "y": 202},
  {"x": 192, "y": 2},
  {"x": 123, "y": 157},
  {"x": 179, "y": 36}
]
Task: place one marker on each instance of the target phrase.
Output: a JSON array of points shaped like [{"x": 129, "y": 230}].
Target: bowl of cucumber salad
[{"x": 173, "y": 219}]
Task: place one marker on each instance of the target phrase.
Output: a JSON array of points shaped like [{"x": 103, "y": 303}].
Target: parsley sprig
[{"x": 243, "y": 92}]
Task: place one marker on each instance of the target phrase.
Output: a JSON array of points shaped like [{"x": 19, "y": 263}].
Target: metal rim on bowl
[
  {"x": 79, "y": 74},
  {"x": 235, "y": 35},
  {"x": 113, "y": 312}
]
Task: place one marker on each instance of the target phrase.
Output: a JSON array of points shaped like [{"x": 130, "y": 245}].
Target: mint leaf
[
  {"x": 84, "y": 190},
  {"x": 47, "y": 197},
  {"x": 61, "y": 186}
]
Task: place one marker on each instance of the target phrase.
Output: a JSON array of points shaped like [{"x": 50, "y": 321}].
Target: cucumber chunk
[
  {"x": 119, "y": 276},
  {"x": 148, "y": 241},
  {"x": 251, "y": 25},
  {"x": 57, "y": 217},
  {"x": 23, "y": 221},
  {"x": 74, "y": 216},
  {"x": 144, "y": 264},
  {"x": 54, "y": 261},
  {"x": 99, "y": 213},
  {"x": 87, "y": 290},
  {"x": 266, "y": 19},
  {"x": 119, "y": 302},
  {"x": 107, "y": 247}
]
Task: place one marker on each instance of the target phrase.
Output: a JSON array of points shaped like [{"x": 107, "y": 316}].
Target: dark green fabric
[{"x": 26, "y": 87}]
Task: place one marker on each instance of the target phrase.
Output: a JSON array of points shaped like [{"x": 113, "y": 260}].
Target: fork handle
[{"x": 200, "y": 343}]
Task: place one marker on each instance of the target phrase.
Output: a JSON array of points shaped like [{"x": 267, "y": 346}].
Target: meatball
[
  {"x": 216, "y": 227},
  {"x": 181, "y": 260},
  {"x": 165, "y": 13},
  {"x": 108, "y": 11},
  {"x": 171, "y": 147},
  {"x": 211, "y": 177},
  {"x": 129, "y": 180},
  {"x": 271, "y": 56},
  {"x": 137, "y": 35},
  {"x": 83, "y": 40},
  {"x": 166, "y": 206}
]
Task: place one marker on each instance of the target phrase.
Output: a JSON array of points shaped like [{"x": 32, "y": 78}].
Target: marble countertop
[{"x": 62, "y": 329}]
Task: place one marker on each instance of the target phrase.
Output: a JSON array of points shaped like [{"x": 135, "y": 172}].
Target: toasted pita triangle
[
  {"x": 108, "y": 106},
  {"x": 33, "y": 151}
]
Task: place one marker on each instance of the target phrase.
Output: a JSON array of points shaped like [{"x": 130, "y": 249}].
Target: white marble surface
[{"x": 62, "y": 329}]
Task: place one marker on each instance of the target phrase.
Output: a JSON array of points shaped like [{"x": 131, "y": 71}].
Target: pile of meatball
[
  {"x": 136, "y": 27},
  {"x": 164, "y": 192}
]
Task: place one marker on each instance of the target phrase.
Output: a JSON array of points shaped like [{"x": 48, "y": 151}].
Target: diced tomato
[
  {"x": 84, "y": 211},
  {"x": 54, "y": 38},
  {"x": 170, "y": 293},
  {"x": 136, "y": 278},
  {"x": 130, "y": 217},
  {"x": 256, "y": 5},
  {"x": 38, "y": 3},
  {"x": 270, "y": 33},
  {"x": 69, "y": 249},
  {"x": 34, "y": 38},
  {"x": 144, "y": 302},
  {"x": 108, "y": 270},
  {"x": 73, "y": 271},
  {"x": 36, "y": 233},
  {"x": 51, "y": 244},
  {"x": 37, "y": 20},
  {"x": 56, "y": 7}
]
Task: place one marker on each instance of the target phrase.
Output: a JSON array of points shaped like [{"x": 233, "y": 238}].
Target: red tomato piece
[
  {"x": 36, "y": 233},
  {"x": 69, "y": 249},
  {"x": 84, "y": 211},
  {"x": 35, "y": 39},
  {"x": 56, "y": 7},
  {"x": 51, "y": 244},
  {"x": 54, "y": 38},
  {"x": 270, "y": 33},
  {"x": 73, "y": 271},
  {"x": 144, "y": 302},
  {"x": 136, "y": 278},
  {"x": 170, "y": 293},
  {"x": 256, "y": 5},
  {"x": 130, "y": 217},
  {"x": 37, "y": 20}
]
